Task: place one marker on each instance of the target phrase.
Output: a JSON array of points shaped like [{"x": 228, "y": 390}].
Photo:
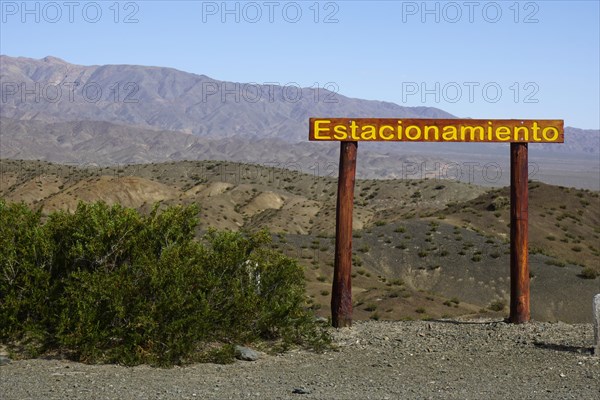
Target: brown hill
[
  {"x": 423, "y": 248},
  {"x": 563, "y": 222}
]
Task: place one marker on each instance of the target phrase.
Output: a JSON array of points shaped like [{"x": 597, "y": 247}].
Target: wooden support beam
[
  {"x": 341, "y": 296},
  {"x": 519, "y": 265}
]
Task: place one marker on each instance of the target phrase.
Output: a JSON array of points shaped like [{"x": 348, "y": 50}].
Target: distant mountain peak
[{"x": 54, "y": 60}]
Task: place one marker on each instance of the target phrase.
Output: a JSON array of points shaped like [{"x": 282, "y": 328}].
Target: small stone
[
  {"x": 4, "y": 360},
  {"x": 596, "y": 311},
  {"x": 246, "y": 354},
  {"x": 301, "y": 390}
]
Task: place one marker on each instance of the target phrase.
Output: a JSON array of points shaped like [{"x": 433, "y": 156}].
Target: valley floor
[{"x": 447, "y": 359}]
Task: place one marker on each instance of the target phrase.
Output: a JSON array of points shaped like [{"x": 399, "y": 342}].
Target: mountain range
[
  {"x": 121, "y": 114},
  {"x": 168, "y": 99}
]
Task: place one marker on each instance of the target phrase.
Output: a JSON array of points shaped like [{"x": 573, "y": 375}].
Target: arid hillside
[{"x": 422, "y": 248}]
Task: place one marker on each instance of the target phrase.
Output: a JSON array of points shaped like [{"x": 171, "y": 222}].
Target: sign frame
[{"x": 341, "y": 297}]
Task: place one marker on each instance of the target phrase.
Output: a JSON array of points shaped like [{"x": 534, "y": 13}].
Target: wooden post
[
  {"x": 341, "y": 296},
  {"x": 519, "y": 266}
]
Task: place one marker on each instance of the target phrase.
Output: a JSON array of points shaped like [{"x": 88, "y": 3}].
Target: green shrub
[
  {"x": 25, "y": 265},
  {"x": 589, "y": 273},
  {"x": 498, "y": 203},
  {"x": 497, "y": 305},
  {"x": 556, "y": 263},
  {"x": 107, "y": 284}
]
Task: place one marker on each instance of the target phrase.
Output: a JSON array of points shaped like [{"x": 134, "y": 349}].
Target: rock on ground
[{"x": 246, "y": 354}]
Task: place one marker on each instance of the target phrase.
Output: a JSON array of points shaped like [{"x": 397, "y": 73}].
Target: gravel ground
[{"x": 375, "y": 360}]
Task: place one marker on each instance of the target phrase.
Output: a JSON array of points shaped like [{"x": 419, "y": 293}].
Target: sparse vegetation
[
  {"x": 589, "y": 273},
  {"x": 497, "y": 305},
  {"x": 107, "y": 284},
  {"x": 555, "y": 262},
  {"x": 304, "y": 227}
]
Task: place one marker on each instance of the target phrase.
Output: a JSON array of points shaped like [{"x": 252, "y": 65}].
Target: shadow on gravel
[
  {"x": 454, "y": 322},
  {"x": 566, "y": 348}
]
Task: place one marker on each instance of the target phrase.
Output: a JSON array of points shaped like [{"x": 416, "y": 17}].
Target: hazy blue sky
[{"x": 477, "y": 59}]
